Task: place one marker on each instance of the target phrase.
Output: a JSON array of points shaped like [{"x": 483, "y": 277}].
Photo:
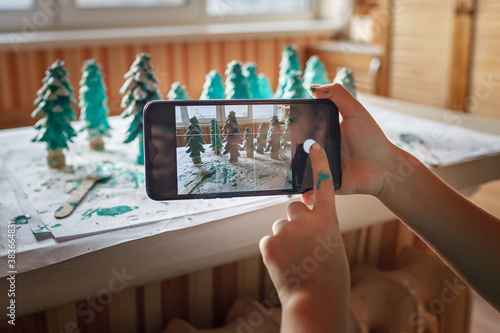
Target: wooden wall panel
[
  {"x": 421, "y": 49},
  {"x": 484, "y": 95}
]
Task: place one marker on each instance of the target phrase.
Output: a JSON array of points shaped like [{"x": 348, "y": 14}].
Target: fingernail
[{"x": 316, "y": 146}]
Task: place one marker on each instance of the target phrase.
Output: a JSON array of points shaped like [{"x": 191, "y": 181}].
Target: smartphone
[{"x": 230, "y": 148}]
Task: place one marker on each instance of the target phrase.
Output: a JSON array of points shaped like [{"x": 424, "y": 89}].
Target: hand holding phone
[{"x": 227, "y": 148}]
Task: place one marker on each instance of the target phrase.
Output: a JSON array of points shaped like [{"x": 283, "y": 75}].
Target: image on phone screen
[{"x": 235, "y": 148}]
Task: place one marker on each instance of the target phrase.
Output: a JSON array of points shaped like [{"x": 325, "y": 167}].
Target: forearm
[
  {"x": 306, "y": 313},
  {"x": 462, "y": 233}
]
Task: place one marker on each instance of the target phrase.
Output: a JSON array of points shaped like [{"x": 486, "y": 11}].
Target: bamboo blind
[
  {"x": 420, "y": 56},
  {"x": 484, "y": 97},
  {"x": 188, "y": 62}
]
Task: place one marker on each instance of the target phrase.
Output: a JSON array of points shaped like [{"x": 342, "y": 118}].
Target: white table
[{"x": 58, "y": 272}]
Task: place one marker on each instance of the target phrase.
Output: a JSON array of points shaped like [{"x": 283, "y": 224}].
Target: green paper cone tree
[
  {"x": 250, "y": 72},
  {"x": 286, "y": 137},
  {"x": 248, "y": 144},
  {"x": 232, "y": 137},
  {"x": 315, "y": 73},
  {"x": 273, "y": 138},
  {"x": 260, "y": 140},
  {"x": 215, "y": 138},
  {"x": 295, "y": 86},
  {"x": 237, "y": 86},
  {"x": 54, "y": 102},
  {"x": 346, "y": 78},
  {"x": 265, "y": 87},
  {"x": 213, "y": 87},
  {"x": 194, "y": 140},
  {"x": 177, "y": 92},
  {"x": 93, "y": 104},
  {"x": 140, "y": 87},
  {"x": 289, "y": 62}
]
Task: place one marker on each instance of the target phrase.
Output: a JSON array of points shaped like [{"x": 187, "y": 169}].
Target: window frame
[{"x": 68, "y": 16}]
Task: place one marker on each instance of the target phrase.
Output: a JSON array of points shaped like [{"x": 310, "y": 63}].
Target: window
[
  {"x": 17, "y": 4},
  {"x": 85, "y": 4},
  {"x": 35, "y": 15},
  {"x": 263, "y": 111},
  {"x": 256, "y": 7}
]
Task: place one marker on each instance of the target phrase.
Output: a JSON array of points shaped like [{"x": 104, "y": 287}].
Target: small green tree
[
  {"x": 295, "y": 86},
  {"x": 250, "y": 72},
  {"x": 93, "y": 104},
  {"x": 140, "y": 87},
  {"x": 215, "y": 138},
  {"x": 236, "y": 83},
  {"x": 177, "y": 92},
  {"x": 213, "y": 87},
  {"x": 260, "y": 140},
  {"x": 346, "y": 78},
  {"x": 248, "y": 144},
  {"x": 264, "y": 86},
  {"x": 315, "y": 73},
  {"x": 273, "y": 138},
  {"x": 289, "y": 62},
  {"x": 54, "y": 101},
  {"x": 194, "y": 140}
]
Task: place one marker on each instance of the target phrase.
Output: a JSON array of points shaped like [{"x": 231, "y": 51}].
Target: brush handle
[{"x": 76, "y": 196}]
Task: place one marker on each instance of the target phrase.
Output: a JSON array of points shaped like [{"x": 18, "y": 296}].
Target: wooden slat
[
  {"x": 225, "y": 291},
  {"x": 201, "y": 298},
  {"x": 175, "y": 299},
  {"x": 248, "y": 277},
  {"x": 152, "y": 307}
]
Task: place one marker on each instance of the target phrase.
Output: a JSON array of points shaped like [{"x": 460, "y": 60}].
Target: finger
[
  {"x": 308, "y": 198},
  {"x": 295, "y": 209},
  {"x": 278, "y": 225},
  {"x": 345, "y": 102},
  {"x": 324, "y": 192}
]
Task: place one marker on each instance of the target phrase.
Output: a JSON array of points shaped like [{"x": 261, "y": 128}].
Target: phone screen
[{"x": 227, "y": 148}]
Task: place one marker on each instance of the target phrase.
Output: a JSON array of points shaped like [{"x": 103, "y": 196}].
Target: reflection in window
[
  {"x": 128, "y": 3},
  {"x": 240, "y": 110}
]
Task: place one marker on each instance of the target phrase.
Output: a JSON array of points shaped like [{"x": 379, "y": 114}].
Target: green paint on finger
[
  {"x": 313, "y": 89},
  {"x": 322, "y": 176},
  {"x": 326, "y": 92}
]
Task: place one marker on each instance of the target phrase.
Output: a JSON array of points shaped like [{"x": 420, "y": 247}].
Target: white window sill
[{"x": 70, "y": 38}]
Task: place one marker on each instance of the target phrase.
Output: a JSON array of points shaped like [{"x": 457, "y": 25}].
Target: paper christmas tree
[
  {"x": 294, "y": 87},
  {"x": 236, "y": 83},
  {"x": 194, "y": 140},
  {"x": 139, "y": 88},
  {"x": 248, "y": 142},
  {"x": 346, "y": 78},
  {"x": 289, "y": 62},
  {"x": 54, "y": 102},
  {"x": 264, "y": 86},
  {"x": 232, "y": 137},
  {"x": 93, "y": 104},
  {"x": 315, "y": 73},
  {"x": 260, "y": 140},
  {"x": 273, "y": 138},
  {"x": 250, "y": 72},
  {"x": 213, "y": 87},
  {"x": 215, "y": 139},
  {"x": 177, "y": 92},
  {"x": 286, "y": 137}
]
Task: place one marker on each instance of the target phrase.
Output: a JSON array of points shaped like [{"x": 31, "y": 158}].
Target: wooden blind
[
  {"x": 484, "y": 95},
  {"x": 421, "y": 49}
]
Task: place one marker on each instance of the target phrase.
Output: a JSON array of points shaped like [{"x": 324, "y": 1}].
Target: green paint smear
[
  {"x": 313, "y": 89},
  {"x": 322, "y": 176},
  {"x": 55, "y": 225},
  {"x": 21, "y": 219},
  {"x": 111, "y": 211},
  {"x": 326, "y": 92}
]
